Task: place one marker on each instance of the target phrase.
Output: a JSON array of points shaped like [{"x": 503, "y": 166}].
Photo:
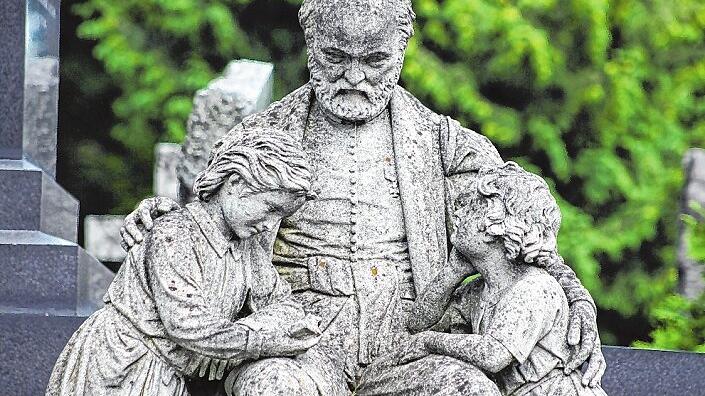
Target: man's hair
[
  {"x": 516, "y": 207},
  {"x": 266, "y": 160},
  {"x": 311, "y": 9}
]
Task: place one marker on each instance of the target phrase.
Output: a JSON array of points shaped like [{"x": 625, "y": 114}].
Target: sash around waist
[{"x": 335, "y": 277}]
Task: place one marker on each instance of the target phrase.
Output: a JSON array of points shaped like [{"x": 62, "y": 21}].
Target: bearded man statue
[{"x": 386, "y": 172}]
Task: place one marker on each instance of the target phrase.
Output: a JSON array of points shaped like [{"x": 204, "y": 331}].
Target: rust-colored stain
[{"x": 322, "y": 263}]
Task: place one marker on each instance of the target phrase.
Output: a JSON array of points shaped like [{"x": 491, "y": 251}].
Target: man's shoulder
[
  {"x": 284, "y": 114},
  {"x": 413, "y": 104}
]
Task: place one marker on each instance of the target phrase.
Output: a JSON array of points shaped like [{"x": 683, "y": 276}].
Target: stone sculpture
[
  {"x": 387, "y": 172},
  {"x": 512, "y": 322},
  {"x": 178, "y": 308}
]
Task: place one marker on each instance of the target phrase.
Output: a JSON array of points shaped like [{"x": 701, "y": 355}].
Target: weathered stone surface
[
  {"x": 166, "y": 158},
  {"x": 245, "y": 88},
  {"x": 102, "y": 237},
  {"x": 12, "y": 56},
  {"x": 46, "y": 280},
  {"x": 40, "y": 113},
  {"x": 650, "y": 372},
  {"x": 29, "y": 345},
  {"x": 45, "y": 274},
  {"x": 200, "y": 287},
  {"x": 32, "y": 200},
  {"x": 376, "y": 233},
  {"x": 690, "y": 280}
]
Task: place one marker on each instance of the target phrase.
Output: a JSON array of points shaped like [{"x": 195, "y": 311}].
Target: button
[
  {"x": 353, "y": 180},
  {"x": 354, "y": 211},
  {"x": 353, "y": 239},
  {"x": 354, "y": 200},
  {"x": 374, "y": 270},
  {"x": 353, "y": 220},
  {"x": 353, "y": 231},
  {"x": 352, "y": 170},
  {"x": 353, "y": 248}
]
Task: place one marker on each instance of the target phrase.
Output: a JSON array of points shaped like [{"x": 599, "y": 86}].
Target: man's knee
[
  {"x": 461, "y": 378},
  {"x": 277, "y": 376}
]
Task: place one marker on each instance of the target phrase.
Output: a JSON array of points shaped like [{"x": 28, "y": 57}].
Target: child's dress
[
  {"x": 530, "y": 319},
  {"x": 173, "y": 312}
]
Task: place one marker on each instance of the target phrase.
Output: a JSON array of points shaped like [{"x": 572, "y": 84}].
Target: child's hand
[
  {"x": 415, "y": 347},
  {"x": 281, "y": 342},
  {"x": 306, "y": 327}
]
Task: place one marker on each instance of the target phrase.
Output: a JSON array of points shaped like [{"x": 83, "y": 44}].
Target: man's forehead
[{"x": 358, "y": 26}]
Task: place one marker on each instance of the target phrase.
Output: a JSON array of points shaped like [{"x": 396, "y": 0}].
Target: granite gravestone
[{"x": 48, "y": 284}]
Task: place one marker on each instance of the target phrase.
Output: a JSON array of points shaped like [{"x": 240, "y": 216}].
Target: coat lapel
[{"x": 421, "y": 185}]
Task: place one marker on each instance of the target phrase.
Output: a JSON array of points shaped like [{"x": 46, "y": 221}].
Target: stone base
[
  {"x": 30, "y": 345},
  {"x": 32, "y": 200},
  {"x": 633, "y": 372},
  {"x": 44, "y": 274}
]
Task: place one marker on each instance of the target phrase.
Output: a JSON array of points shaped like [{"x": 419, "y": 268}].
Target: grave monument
[{"x": 48, "y": 284}]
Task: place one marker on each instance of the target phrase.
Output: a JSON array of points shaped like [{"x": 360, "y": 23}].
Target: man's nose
[{"x": 353, "y": 74}]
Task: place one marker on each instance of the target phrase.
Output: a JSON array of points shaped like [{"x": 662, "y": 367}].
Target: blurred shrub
[{"x": 601, "y": 97}]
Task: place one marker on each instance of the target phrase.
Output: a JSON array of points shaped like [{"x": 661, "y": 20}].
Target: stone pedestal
[{"x": 48, "y": 284}]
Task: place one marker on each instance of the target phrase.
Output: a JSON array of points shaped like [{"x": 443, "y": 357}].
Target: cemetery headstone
[
  {"x": 691, "y": 281},
  {"x": 48, "y": 284},
  {"x": 245, "y": 88}
]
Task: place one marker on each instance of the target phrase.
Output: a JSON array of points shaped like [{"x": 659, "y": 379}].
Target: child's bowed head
[
  {"x": 255, "y": 177},
  {"x": 265, "y": 160},
  {"x": 515, "y": 207}
]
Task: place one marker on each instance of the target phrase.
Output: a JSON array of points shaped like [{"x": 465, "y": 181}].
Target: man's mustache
[{"x": 338, "y": 90}]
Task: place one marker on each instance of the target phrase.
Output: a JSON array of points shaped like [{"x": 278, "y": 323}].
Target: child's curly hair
[{"x": 516, "y": 207}]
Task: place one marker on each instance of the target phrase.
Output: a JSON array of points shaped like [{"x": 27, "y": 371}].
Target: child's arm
[
  {"x": 430, "y": 307},
  {"x": 483, "y": 351},
  {"x": 189, "y": 319},
  {"x": 519, "y": 321}
]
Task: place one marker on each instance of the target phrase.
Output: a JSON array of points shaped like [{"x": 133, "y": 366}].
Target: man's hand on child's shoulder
[{"x": 142, "y": 219}]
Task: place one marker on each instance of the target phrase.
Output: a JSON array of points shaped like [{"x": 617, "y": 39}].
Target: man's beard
[{"x": 360, "y": 103}]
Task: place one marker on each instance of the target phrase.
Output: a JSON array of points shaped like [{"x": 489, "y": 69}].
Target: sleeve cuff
[{"x": 254, "y": 345}]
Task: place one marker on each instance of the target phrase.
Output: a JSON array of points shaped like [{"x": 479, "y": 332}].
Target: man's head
[
  {"x": 257, "y": 178},
  {"x": 355, "y": 52},
  {"x": 514, "y": 207}
]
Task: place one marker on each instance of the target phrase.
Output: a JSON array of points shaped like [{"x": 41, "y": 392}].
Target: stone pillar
[
  {"x": 48, "y": 284},
  {"x": 690, "y": 281}
]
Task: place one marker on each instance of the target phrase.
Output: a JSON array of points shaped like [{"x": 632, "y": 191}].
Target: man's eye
[
  {"x": 376, "y": 58},
  {"x": 334, "y": 57}
]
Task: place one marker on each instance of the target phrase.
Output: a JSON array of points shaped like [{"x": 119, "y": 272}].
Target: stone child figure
[
  {"x": 386, "y": 173},
  {"x": 516, "y": 314},
  {"x": 178, "y": 308}
]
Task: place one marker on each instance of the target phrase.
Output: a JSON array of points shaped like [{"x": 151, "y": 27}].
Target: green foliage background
[{"x": 601, "y": 97}]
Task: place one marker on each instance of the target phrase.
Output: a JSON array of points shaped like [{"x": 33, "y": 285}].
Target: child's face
[
  {"x": 468, "y": 239},
  {"x": 248, "y": 213}
]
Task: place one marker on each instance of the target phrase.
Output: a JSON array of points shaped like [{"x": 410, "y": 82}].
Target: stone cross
[{"x": 48, "y": 284}]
